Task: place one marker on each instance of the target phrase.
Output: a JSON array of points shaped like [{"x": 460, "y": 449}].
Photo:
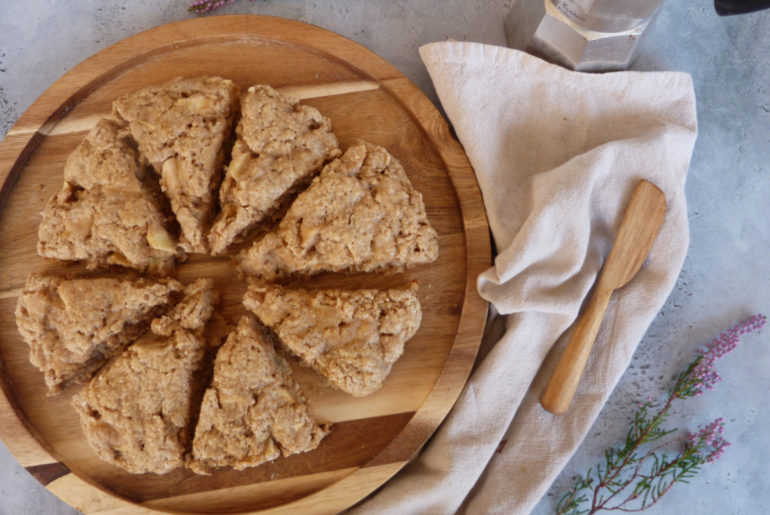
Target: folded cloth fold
[{"x": 557, "y": 154}]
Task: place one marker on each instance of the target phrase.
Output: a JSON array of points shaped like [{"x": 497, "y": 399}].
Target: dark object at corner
[{"x": 727, "y": 7}]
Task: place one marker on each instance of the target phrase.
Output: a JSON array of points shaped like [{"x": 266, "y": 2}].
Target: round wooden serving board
[{"x": 366, "y": 98}]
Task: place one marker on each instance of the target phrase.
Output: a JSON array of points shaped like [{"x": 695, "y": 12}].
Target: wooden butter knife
[{"x": 638, "y": 228}]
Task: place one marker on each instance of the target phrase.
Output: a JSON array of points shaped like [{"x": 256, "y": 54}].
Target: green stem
[{"x": 675, "y": 392}]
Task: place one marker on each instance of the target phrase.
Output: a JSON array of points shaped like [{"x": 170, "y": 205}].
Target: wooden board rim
[{"x": 32, "y": 126}]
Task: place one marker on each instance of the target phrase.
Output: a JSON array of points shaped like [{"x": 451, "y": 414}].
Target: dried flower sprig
[
  {"x": 636, "y": 475},
  {"x": 204, "y": 6}
]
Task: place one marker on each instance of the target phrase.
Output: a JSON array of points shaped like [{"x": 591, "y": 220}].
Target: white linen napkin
[{"x": 557, "y": 154}]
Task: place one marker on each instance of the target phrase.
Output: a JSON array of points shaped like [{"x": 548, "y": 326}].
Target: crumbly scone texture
[
  {"x": 136, "y": 412},
  {"x": 253, "y": 411},
  {"x": 351, "y": 337},
  {"x": 104, "y": 213},
  {"x": 181, "y": 128},
  {"x": 73, "y": 326},
  {"x": 361, "y": 214},
  {"x": 281, "y": 144},
  {"x": 193, "y": 312}
]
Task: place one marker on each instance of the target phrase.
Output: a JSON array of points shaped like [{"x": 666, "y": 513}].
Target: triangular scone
[
  {"x": 73, "y": 326},
  {"x": 351, "y": 337},
  {"x": 281, "y": 144},
  {"x": 181, "y": 128},
  {"x": 136, "y": 412},
  {"x": 104, "y": 213},
  {"x": 253, "y": 411},
  {"x": 361, "y": 214}
]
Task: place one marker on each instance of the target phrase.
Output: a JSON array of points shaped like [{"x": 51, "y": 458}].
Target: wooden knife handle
[{"x": 564, "y": 381}]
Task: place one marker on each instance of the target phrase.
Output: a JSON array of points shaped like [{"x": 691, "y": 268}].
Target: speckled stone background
[{"x": 726, "y": 275}]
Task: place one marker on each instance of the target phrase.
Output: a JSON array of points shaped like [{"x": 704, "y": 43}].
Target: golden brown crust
[
  {"x": 136, "y": 411},
  {"x": 104, "y": 214},
  {"x": 351, "y": 337},
  {"x": 181, "y": 128},
  {"x": 253, "y": 411},
  {"x": 281, "y": 144},
  {"x": 73, "y": 326},
  {"x": 361, "y": 214}
]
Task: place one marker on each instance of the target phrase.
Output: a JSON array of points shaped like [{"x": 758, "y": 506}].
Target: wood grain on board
[{"x": 366, "y": 98}]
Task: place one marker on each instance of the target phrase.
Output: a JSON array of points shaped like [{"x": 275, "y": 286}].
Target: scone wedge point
[
  {"x": 137, "y": 411},
  {"x": 105, "y": 214},
  {"x": 361, "y": 214},
  {"x": 253, "y": 411},
  {"x": 351, "y": 337},
  {"x": 281, "y": 144},
  {"x": 181, "y": 128},
  {"x": 73, "y": 326}
]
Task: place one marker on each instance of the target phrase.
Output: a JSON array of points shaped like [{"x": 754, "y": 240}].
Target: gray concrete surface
[{"x": 725, "y": 277}]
